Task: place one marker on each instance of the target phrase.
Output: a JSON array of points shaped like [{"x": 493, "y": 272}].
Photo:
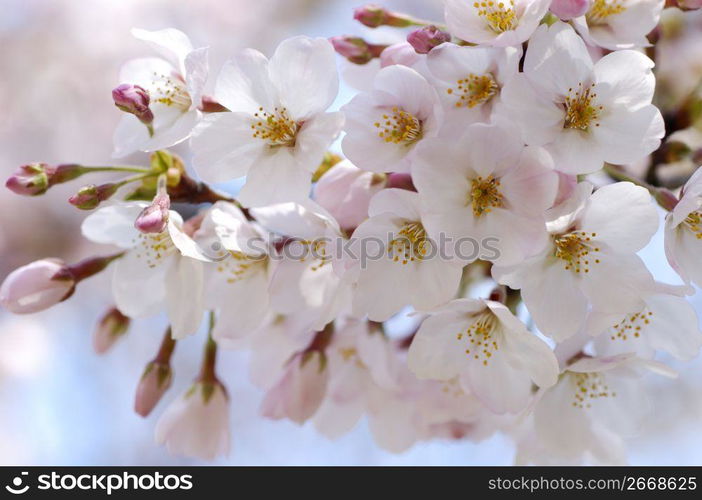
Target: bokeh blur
[{"x": 60, "y": 403}]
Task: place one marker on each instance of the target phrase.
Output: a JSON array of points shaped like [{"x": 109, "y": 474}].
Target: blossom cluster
[{"x": 517, "y": 127}]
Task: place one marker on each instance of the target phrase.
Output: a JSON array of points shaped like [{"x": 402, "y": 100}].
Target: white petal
[
  {"x": 243, "y": 84},
  {"x": 138, "y": 289},
  {"x": 275, "y": 178},
  {"x": 113, "y": 224},
  {"x": 184, "y": 296},
  {"x": 304, "y": 71},
  {"x": 171, "y": 43}
]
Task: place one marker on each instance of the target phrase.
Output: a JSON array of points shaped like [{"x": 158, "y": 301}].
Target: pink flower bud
[
  {"x": 37, "y": 286},
  {"x": 568, "y": 9},
  {"x": 373, "y": 16},
  {"x": 30, "y": 180},
  {"x": 111, "y": 327},
  {"x": 300, "y": 390},
  {"x": 135, "y": 100},
  {"x": 345, "y": 192},
  {"x": 154, "y": 218},
  {"x": 90, "y": 196},
  {"x": 154, "y": 383},
  {"x": 355, "y": 49},
  {"x": 426, "y": 38}
]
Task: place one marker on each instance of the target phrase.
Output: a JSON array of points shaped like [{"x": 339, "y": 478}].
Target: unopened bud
[
  {"x": 568, "y": 9},
  {"x": 30, "y": 180},
  {"x": 154, "y": 383},
  {"x": 135, "y": 100},
  {"x": 37, "y": 286},
  {"x": 109, "y": 330},
  {"x": 426, "y": 38},
  {"x": 374, "y": 16},
  {"x": 90, "y": 196},
  {"x": 154, "y": 218},
  {"x": 665, "y": 198},
  {"x": 355, "y": 49}
]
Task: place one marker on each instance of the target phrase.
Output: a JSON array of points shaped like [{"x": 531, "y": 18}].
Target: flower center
[
  {"x": 631, "y": 325},
  {"x": 588, "y": 387},
  {"x": 400, "y": 128},
  {"x": 276, "y": 128},
  {"x": 240, "y": 266},
  {"x": 581, "y": 108},
  {"x": 350, "y": 355},
  {"x": 500, "y": 17},
  {"x": 574, "y": 250},
  {"x": 481, "y": 337},
  {"x": 316, "y": 250},
  {"x": 154, "y": 248},
  {"x": 602, "y": 9},
  {"x": 410, "y": 244},
  {"x": 171, "y": 91},
  {"x": 474, "y": 90},
  {"x": 694, "y": 223},
  {"x": 484, "y": 195}
]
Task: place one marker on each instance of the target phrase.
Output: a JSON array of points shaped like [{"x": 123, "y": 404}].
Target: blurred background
[{"x": 61, "y": 404}]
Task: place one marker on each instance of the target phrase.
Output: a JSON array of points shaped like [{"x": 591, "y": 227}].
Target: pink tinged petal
[
  {"x": 498, "y": 385},
  {"x": 674, "y": 326},
  {"x": 187, "y": 246},
  {"x": 435, "y": 283},
  {"x": 539, "y": 118},
  {"x": 314, "y": 138},
  {"x": 171, "y": 43},
  {"x": 625, "y": 78},
  {"x": 138, "y": 289},
  {"x": 524, "y": 351},
  {"x": 531, "y": 187},
  {"x": 177, "y": 132},
  {"x": 224, "y": 147},
  {"x": 141, "y": 71},
  {"x": 305, "y": 220},
  {"x": 576, "y": 152},
  {"x": 617, "y": 282},
  {"x": 412, "y": 91},
  {"x": 275, "y": 178},
  {"x": 436, "y": 352},
  {"x": 32, "y": 288},
  {"x": 184, "y": 296},
  {"x": 303, "y": 70},
  {"x": 400, "y": 202},
  {"x": 450, "y": 63},
  {"x": 114, "y": 224},
  {"x": 194, "y": 427},
  {"x": 682, "y": 251},
  {"x": 300, "y": 390},
  {"x": 242, "y": 304},
  {"x": 244, "y": 85},
  {"x": 628, "y": 136},
  {"x": 383, "y": 289},
  {"x": 380, "y": 356},
  {"x": 622, "y": 215},
  {"x": 493, "y": 148},
  {"x": 334, "y": 419},
  {"x": 557, "y": 60},
  {"x": 196, "y": 71},
  {"x": 555, "y": 301}
]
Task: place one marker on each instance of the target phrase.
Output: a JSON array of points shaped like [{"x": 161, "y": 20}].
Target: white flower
[
  {"x": 397, "y": 262},
  {"x": 666, "y": 322},
  {"x": 345, "y": 192},
  {"x": 305, "y": 279},
  {"x": 590, "y": 261},
  {"x": 159, "y": 270},
  {"x": 584, "y": 114},
  {"x": 499, "y": 23},
  {"x": 237, "y": 282},
  {"x": 492, "y": 352},
  {"x": 197, "y": 423},
  {"x": 384, "y": 126},
  {"x": 683, "y": 231},
  {"x": 595, "y": 401},
  {"x": 174, "y": 83},
  {"x": 469, "y": 81},
  {"x": 486, "y": 184},
  {"x": 619, "y": 24},
  {"x": 277, "y": 131},
  {"x": 359, "y": 360}
]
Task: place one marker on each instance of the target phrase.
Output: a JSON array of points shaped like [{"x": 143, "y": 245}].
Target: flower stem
[{"x": 167, "y": 347}]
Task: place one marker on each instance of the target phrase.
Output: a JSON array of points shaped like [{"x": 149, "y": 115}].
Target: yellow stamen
[
  {"x": 500, "y": 16},
  {"x": 399, "y": 128},
  {"x": 485, "y": 195},
  {"x": 276, "y": 128},
  {"x": 582, "y": 110},
  {"x": 474, "y": 90}
]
